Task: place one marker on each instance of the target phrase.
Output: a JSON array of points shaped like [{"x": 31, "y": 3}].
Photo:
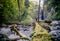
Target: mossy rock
[
  {"x": 41, "y": 37},
  {"x": 48, "y": 21}
]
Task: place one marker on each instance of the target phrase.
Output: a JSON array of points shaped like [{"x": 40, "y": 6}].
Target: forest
[{"x": 29, "y": 20}]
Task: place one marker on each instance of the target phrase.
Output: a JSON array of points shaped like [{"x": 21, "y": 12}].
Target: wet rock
[
  {"x": 13, "y": 36},
  {"x": 55, "y": 22},
  {"x": 6, "y": 31},
  {"x": 55, "y": 30},
  {"x": 54, "y": 34},
  {"x": 22, "y": 40}
]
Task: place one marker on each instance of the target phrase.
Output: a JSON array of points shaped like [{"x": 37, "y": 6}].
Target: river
[{"x": 23, "y": 30}]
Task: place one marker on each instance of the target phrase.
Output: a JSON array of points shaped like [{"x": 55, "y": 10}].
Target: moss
[
  {"x": 41, "y": 37},
  {"x": 40, "y": 34}
]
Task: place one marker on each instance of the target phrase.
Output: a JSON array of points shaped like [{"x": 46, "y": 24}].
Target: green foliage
[
  {"x": 1, "y": 11},
  {"x": 10, "y": 12},
  {"x": 27, "y": 20},
  {"x": 26, "y": 3},
  {"x": 28, "y": 14},
  {"x": 16, "y": 11},
  {"x": 22, "y": 7},
  {"x": 56, "y": 5}
]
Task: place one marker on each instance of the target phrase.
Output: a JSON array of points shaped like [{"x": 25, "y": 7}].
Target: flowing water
[{"x": 23, "y": 30}]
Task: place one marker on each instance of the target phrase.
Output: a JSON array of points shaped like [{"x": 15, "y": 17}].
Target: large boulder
[
  {"x": 55, "y": 34},
  {"x": 54, "y": 23}
]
